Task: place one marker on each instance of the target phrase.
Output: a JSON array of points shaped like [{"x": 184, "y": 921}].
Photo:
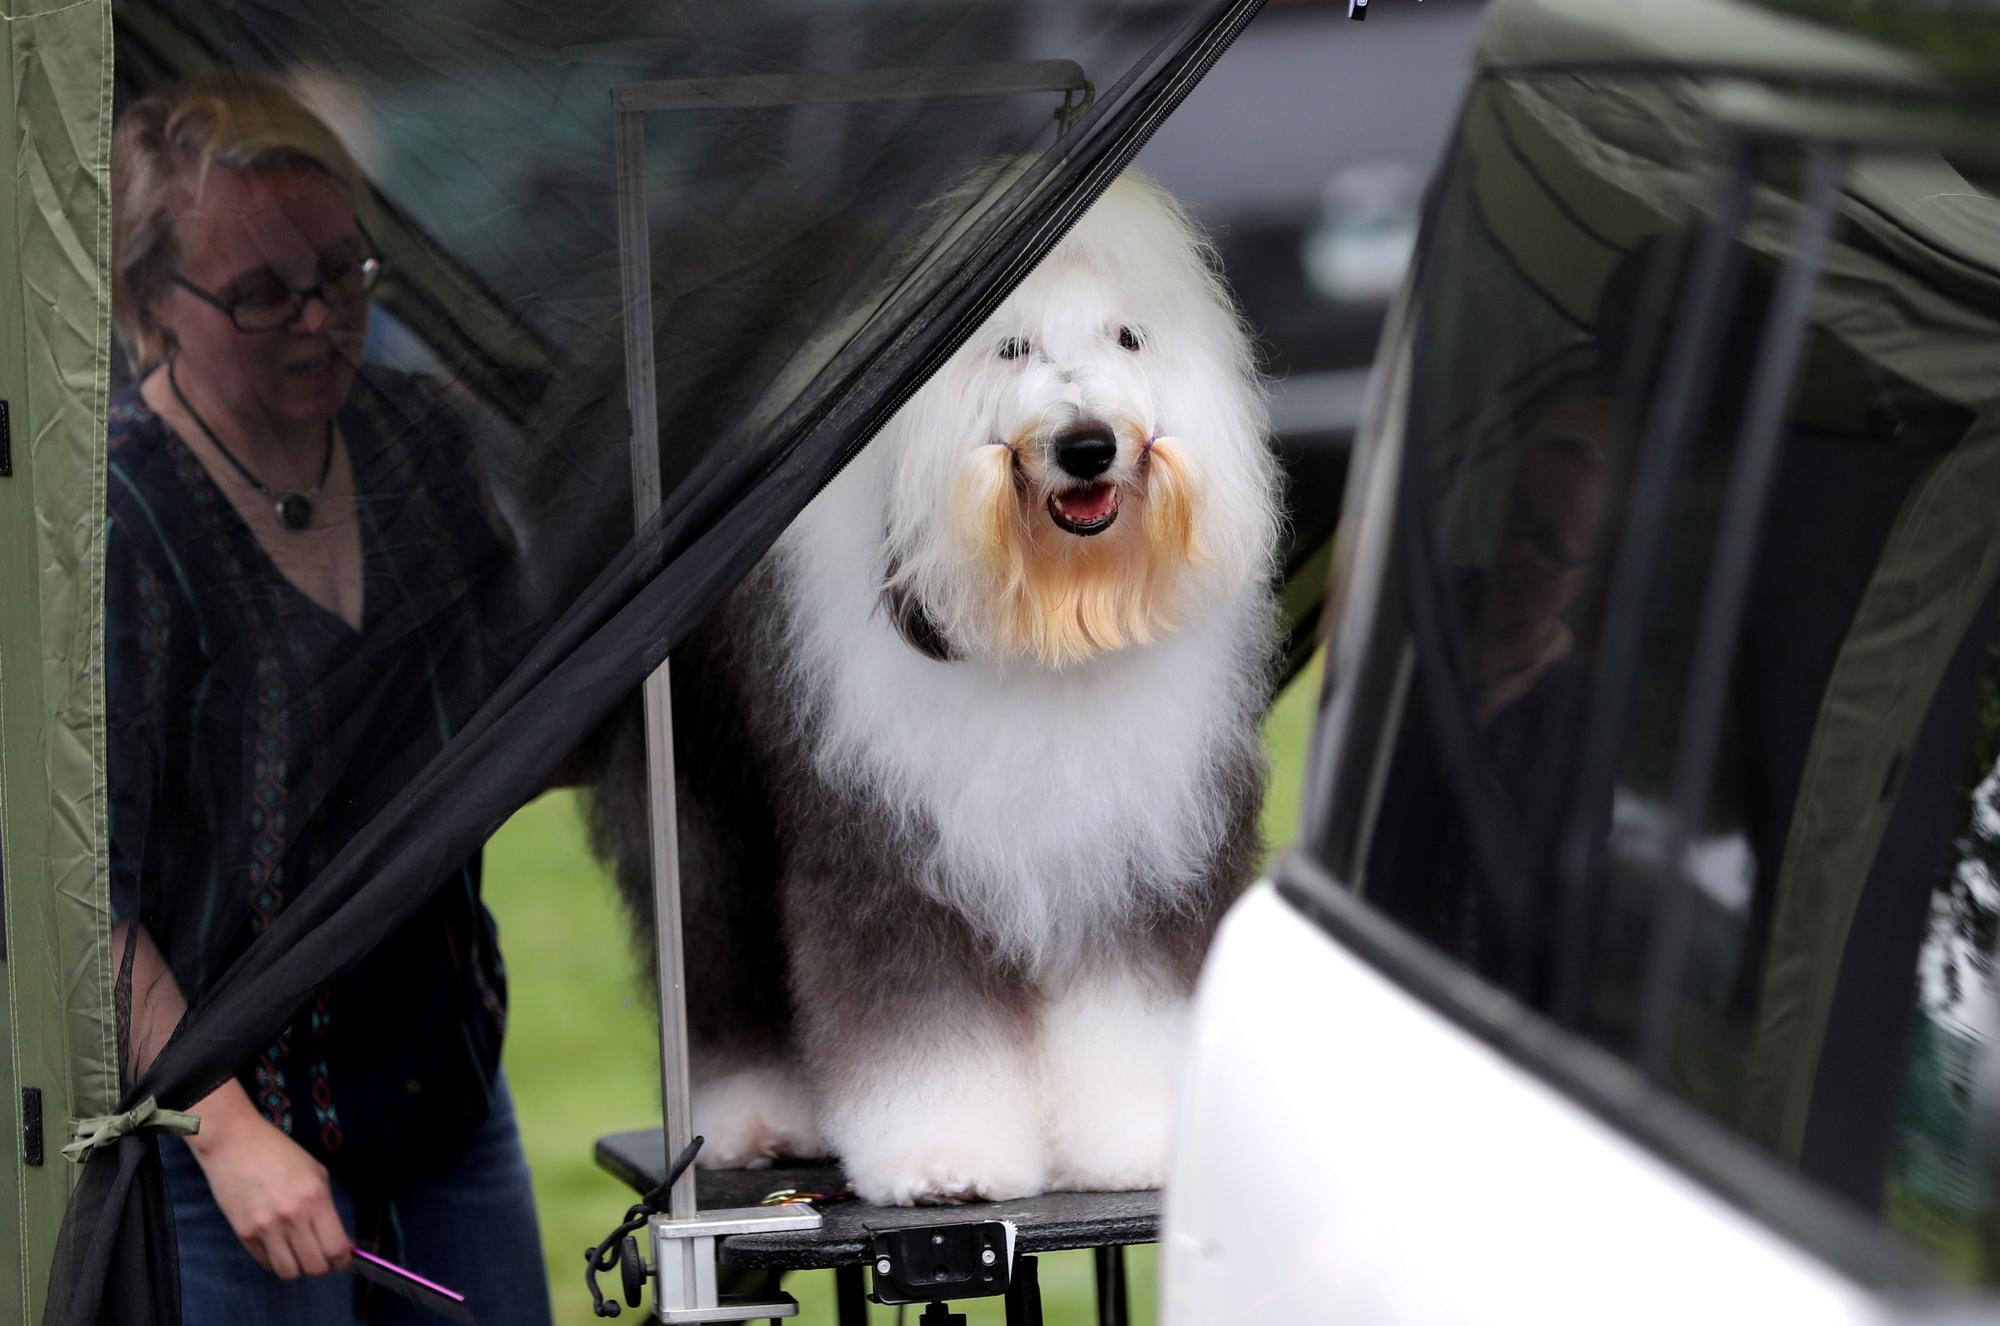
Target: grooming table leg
[
  {"x": 1024, "y": 1294},
  {"x": 850, "y": 1296},
  {"x": 1113, "y": 1306}
]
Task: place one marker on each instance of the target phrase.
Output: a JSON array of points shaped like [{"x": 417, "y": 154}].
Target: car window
[{"x": 1695, "y": 750}]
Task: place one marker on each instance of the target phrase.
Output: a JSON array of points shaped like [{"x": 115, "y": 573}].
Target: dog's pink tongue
[{"x": 1087, "y": 504}]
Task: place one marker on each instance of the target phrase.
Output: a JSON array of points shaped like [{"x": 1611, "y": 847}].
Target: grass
[{"x": 583, "y": 1058}]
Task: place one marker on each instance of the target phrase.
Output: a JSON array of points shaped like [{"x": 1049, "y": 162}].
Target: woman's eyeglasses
[{"x": 266, "y": 303}]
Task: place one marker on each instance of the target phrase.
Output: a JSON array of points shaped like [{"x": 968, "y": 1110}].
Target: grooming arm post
[
  {"x": 683, "y": 1266},
  {"x": 642, "y": 399}
]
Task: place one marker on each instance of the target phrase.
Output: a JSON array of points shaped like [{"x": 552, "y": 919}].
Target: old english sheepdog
[{"x": 970, "y": 767}]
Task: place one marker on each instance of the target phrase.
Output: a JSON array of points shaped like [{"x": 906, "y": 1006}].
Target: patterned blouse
[{"x": 252, "y": 733}]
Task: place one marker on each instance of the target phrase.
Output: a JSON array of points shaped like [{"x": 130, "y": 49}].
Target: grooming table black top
[{"x": 1050, "y": 1223}]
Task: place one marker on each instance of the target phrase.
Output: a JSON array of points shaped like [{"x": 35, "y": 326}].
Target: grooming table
[{"x": 1102, "y": 1222}]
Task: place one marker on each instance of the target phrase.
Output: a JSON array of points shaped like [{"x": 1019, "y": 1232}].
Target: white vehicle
[{"x": 1636, "y": 960}]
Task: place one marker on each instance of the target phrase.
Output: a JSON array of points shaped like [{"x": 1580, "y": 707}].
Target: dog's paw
[
  {"x": 750, "y": 1117},
  {"x": 960, "y": 1131},
  {"x": 944, "y": 1177}
]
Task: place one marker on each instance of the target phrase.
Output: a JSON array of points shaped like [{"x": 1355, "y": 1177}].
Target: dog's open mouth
[{"x": 1086, "y": 511}]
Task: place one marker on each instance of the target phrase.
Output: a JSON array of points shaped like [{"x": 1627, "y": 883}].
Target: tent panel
[{"x": 54, "y": 254}]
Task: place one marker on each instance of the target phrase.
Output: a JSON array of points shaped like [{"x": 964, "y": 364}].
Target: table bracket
[{"x": 683, "y": 1264}]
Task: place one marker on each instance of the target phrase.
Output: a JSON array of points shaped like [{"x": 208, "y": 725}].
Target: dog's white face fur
[{"x": 1123, "y": 346}]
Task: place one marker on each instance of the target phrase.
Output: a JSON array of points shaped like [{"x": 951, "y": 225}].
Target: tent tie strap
[{"x": 90, "y": 1136}]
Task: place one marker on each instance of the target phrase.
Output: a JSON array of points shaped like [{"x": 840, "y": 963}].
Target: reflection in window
[{"x": 1831, "y": 914}]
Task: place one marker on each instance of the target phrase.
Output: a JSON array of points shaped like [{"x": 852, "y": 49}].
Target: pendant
[{"x": 295, "y": 511}]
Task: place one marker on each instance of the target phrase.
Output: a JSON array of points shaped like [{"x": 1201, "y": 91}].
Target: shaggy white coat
[{"x": 1070, "y": 796}]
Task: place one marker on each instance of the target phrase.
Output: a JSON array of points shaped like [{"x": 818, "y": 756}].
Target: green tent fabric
[{"x": 55, "y": 313}]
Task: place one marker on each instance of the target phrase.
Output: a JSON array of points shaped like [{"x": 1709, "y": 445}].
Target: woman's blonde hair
[{"x": 161, "y": 155}]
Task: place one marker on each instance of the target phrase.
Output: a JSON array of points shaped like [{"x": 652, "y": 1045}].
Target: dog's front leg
[
  {"x": 1113, "y": 1042},
  {"x": 936, "y": 1110},
  {"x": 921, "y": 1051}
]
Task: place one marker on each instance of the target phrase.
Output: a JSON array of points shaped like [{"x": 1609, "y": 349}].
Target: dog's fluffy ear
[{"x": 919, "y": 632}]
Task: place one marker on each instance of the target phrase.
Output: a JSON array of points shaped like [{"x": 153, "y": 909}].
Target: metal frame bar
[
  {"x": 937, "y": 83},
  {"x": 628, "y": 137},
  {"x": 1710, "y": 279},
  {"x": 1759, "y": 440}
]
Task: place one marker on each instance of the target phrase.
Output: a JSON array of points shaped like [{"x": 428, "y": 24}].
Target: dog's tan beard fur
[{"x": 1059, "y": 598}]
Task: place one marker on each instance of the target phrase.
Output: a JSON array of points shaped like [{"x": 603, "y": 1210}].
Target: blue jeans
[{"x": 470, "y": 1228}]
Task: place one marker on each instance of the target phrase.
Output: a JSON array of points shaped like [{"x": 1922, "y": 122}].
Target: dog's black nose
[{"x": 1086, "y": 452}]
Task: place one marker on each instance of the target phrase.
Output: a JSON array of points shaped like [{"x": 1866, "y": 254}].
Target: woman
[{"x": 295, "y": 541}]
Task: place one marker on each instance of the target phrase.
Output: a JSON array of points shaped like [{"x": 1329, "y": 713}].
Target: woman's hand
[{"x": 275, "y": 1196}]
